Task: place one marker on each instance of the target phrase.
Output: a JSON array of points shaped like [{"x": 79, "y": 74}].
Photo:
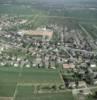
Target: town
[{"x": 55, "y": 57}]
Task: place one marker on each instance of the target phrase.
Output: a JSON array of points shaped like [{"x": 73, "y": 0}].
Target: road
[{"x": 79, "y": 50}]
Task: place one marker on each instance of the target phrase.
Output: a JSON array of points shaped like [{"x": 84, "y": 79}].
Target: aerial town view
[{"x": 48, "y": 49}]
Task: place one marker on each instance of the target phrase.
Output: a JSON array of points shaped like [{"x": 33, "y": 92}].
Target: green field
[
  {"x": 23, "y": 80},
  {"x": 7, "y": 90},
  {"x": 51, "y": 14},
  {"x": 40, "y": 76},
  {"x": 19, "y": 10},
  {"x": 49, "y": 96},
  {"x": 8, "y": 81},
  {"x": 33, "y": 76},
  {"x": 24, "y": 92}
]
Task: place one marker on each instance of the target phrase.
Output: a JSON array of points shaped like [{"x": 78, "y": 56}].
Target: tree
[
  {"x": 95, "y": 95},
  {"x": 54, "y": 87},
  {"x": 77, "y": 83}
]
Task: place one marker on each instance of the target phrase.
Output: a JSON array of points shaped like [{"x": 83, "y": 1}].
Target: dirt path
[{"x": 6, "y": 98}]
